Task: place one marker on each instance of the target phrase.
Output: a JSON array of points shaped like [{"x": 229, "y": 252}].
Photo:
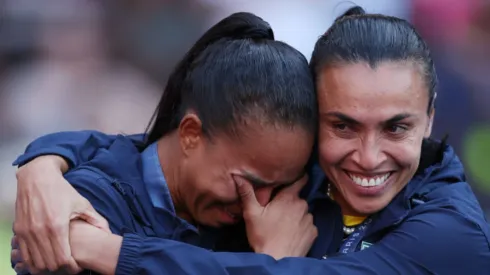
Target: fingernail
[{"x": 238, "y": 180}]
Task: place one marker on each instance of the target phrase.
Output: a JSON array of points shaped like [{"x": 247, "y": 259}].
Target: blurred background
[{"x": 81, "y": 64}]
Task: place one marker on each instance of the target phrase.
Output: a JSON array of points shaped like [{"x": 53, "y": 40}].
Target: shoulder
[
  {"x": 121, "y": 160},
  {"x": 451, "y": 228},
  {"x": 104, "y": 194}
]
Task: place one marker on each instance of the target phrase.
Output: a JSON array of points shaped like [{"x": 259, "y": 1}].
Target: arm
[
  {"x": 437, "y": 241},
  {"x": 108, "y": 206},
  {"x": 74, "y": 147},
  {"x": 45, "y": 202}
]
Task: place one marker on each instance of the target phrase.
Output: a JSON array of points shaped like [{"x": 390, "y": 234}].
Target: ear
[
  {"x": 190, "y": 133},
  {"x": 428, "y": 130}
]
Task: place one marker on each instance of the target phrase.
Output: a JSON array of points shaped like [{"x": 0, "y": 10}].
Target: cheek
[
  {"x": 332, "y": 149},
  {"x": 405, "y": 154},
  {"x": 210, "y": 179},
  {"x": 218, "y": 185}
]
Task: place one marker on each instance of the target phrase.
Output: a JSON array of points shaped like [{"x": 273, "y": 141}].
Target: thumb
[
  {"x": 92, "y": 217},
  {"x": 296, "y": 187},
  {"x": 247, "y": 195}
]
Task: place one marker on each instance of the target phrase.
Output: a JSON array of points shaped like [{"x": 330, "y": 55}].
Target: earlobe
[
  {"x": 190, "y": 132},
  {"x": 428, "y": 130}
]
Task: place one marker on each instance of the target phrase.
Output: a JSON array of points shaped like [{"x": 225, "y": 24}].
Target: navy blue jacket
[{"x": 434, "y": 225}]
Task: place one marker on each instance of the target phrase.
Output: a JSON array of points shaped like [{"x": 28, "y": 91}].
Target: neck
[{"x": 170, "y": 158}]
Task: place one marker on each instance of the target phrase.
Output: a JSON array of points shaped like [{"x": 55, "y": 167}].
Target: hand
[
  {"x": 282, "y": 228},
  {"x": 15, "y": 257},
  {"x": 93, "y": 248},
  {"x": 45, "y": 205}
]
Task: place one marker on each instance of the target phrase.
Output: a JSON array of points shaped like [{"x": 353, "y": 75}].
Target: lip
[
  {"x": 369, "y": 190},
  {"x": 228, "y": 217}
]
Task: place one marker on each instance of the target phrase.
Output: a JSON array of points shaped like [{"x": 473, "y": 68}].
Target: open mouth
[
  {"x": 374, "y": 181},
  {"x": 233, "y": 214}
]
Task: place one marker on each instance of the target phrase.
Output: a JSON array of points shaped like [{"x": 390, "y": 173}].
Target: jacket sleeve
[
  {"x": 105, "y": 199},
  {"x": 75, "y": 147},
  {"x": 436, "y": 241}
]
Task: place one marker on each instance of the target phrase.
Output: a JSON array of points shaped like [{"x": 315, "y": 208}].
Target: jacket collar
[{"x": 436, "y": 157}]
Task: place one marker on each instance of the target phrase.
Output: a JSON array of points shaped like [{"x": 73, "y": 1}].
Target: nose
[
  {"x": 263, "y": 195},
  {"x": 369, "y": 155}
]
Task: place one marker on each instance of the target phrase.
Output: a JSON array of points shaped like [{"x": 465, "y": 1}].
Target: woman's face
[
  {"x": 267, "y": 156},
  {"x": 372, "y": 123}
]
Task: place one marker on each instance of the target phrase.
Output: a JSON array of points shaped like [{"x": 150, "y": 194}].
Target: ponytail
[{"x": 238, "y": 26}]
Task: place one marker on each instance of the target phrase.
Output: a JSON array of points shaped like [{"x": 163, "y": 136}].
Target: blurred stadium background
[{"x": 81, "y": 64}]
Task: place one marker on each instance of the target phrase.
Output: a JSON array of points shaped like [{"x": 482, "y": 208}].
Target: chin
[{"x": 368, "y": 208}]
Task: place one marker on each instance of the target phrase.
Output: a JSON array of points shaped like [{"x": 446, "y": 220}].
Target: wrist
[
  {"x": 56, "y": 162},
  {"x": 271, "y": 252},
  {"x": 94, "y": 249}
]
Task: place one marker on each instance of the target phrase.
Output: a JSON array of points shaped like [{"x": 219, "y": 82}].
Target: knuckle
[
  {"x": 55, "y": 227},
  {"x": 309, "y": 217},
  {"x": 19, "y": 173},
  {"x": 29, "y": 261},
  {"x": 19, "y": 228},
  {"x": 36, "y": 228},
  {"x": 308, "y": 220},
  {"x": 41, "y": 266},
  {"x": 52, "y": 267},
  {"x": 64, "y": 260},
  {"x": 302, "y": 205},
  {"x": 314, "y": 232}
]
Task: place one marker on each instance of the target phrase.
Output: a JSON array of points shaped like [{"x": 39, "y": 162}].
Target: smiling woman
[
  {"x": 375, "y": 97},
  {"x": 376, "y": 119}
]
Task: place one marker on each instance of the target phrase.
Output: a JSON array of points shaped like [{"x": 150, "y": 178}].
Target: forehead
[
  {"x": 391, "y": 87},
  {"x": 269, "y": 153}
]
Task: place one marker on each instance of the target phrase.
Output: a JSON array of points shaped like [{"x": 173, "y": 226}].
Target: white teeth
[
  {"x": 367, "y": 182},
  {"x": 372, "y": 182},
  {"x": 364, "y": 182}
]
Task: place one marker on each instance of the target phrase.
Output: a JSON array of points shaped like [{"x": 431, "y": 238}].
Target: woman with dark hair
[
  {"x": 386, "y": 198},
  {"x": 239, "y": 105}
]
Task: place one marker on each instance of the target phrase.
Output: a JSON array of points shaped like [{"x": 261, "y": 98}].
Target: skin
[
  {"x": 372, "y": 122},
  {"x": 203, "y": 176},
  {"x": 201, "y": 172}
]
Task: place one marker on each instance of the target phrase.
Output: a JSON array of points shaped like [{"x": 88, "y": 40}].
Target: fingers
[
  {"x": 92, "y": 217},
  {"x": 14, "y": 243},
  {"x": 247, "y": 195},
  {"x": 296, "y": 187},
  {"x": 21, "y": 268},
  {"x": 26, "y": 256},
  {"x": 15, "y": 256},
  {"x": 61, "y": 248},
  {"x": 72, "y": 267},
  {"x": 37, "y": 255}
]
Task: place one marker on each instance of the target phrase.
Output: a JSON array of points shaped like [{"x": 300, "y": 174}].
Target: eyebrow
[
  {"x": 352, "y": 121},
  {"x": 258, "y": 182},
  {"x": 397, "y": 118}
]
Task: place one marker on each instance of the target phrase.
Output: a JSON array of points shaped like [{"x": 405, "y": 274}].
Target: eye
[
  {"x": 397, "y": 129},
  {"x": 342, "y": 127}
]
